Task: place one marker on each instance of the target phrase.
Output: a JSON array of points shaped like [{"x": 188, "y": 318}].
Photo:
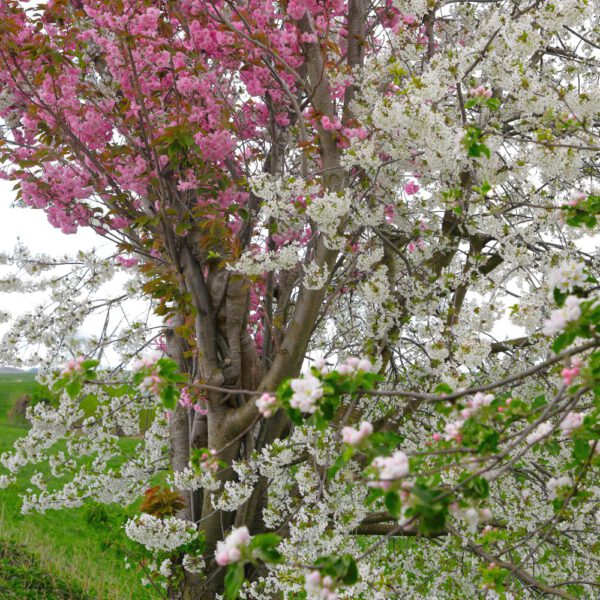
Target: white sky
[{"x": 32, "y": 229}]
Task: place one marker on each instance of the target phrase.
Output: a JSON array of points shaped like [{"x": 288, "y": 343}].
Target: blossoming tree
[{"x": 355, "y": 189}]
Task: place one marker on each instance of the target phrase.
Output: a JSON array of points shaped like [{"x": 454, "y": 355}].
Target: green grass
[
  {"x": 12, "y": 386},
  {"x": 23, "y": 577},
  {"x": 76, "y": 552}
]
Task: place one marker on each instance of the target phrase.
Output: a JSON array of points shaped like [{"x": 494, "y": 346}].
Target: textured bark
[{"x": 227, "y": 356}]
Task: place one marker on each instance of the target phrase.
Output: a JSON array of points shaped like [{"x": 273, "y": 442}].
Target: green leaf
[
  {"x": 563, "y": 340},
  {"x": 340, "y": 462},
  {"x": 477, "y": 487},
  {"x": 169, "y": 396},
  {"x": 442, "y": 388},
  {"x": 265, "y": 540},
  {"x": 493, "y": 103},
  {"x": 373, "y": 495},
  {"x": 233, "y": 580},
  {"x": 581, "y": 450},
  {"x": 73, "y": 388},
  {"x": 393, "y": 504},
  {"x": 351, "y": 575}
]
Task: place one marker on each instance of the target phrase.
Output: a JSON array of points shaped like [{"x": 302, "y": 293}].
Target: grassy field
[{"x": 63, "y": 554}]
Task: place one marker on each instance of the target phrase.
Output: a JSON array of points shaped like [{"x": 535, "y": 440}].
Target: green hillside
[{"x": 63, "y": 554}]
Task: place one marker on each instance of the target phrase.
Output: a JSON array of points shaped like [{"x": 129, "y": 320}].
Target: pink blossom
[
  {"x": 215, "y": 146},
  {"x": 308, "y": 38},
  {"x": 184, "y": 397},
  {"x": 266, "y": 404},
  {"x": 127, "y": 262},
  {"x": 389, "y": 468},
  {"x": 579, "y": 197},
  {"x": 411, "y": 188},
  {"x": 120, "y": 222},
  {"x": 571, "y": 422},
  {"x": 569, "y": 374},
  {"x": 230, "y": 550},
  {"x": 452, "y": 430},
  {"x": 480, "y": 92},
  {"x": 72, "y": 366},
  {"x": 355, "y": 437},
  {"x": 330, "y": 124}
]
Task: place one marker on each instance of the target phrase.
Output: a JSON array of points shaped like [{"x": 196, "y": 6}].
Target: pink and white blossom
[
  {"x": 355, "y": 437},
  {"x": 230, "y": 550}
]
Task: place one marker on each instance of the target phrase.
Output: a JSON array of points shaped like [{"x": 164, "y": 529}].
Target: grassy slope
[{"x": 67, "y": 546}]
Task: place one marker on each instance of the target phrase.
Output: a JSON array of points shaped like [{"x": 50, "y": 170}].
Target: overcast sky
[{"x": 31, "y": 228}]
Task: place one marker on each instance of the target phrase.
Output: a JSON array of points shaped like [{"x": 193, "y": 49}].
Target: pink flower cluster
[
  {"x": 215, "y": 146},
  {"x": 418, "y": 243},
  {"x": 355, "y": 437},
  {"x": 411, "y": 188},
  {"x": 353, "y": 365},
  {"x": 471, "y": 515},
  {"x": 579, "y": 197},
  {"x": 571, "y": 422},
  {"x": 452, "y": 430},
  {"x": 127, "y": 262},
  {"x": 186, "y": 401},
  {"x": 230, "y": 550},
  {"x": 73, "y": 366},
  {"x": 318, "y": 587},
  {"x": 150, "y": 383},
  {"x": 307, "y": 392},
  {"x": 480, "y": 92},
  {"x": 332, "y": 124},
  {"x": 297, "y": 8},
  {"x": 265, "y": 404},
  {"x": 208, "y": 462},
  {"x": 570, "y": 373},
  {"x": 388, "y": 469}
]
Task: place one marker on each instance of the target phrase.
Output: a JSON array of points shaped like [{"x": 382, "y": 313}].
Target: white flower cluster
[
  {"x": 327, "y": 211},
  {"x": 187, "y": 479},
  {"x": 156, "y": 534},
  {"x": 561, "y": 317},
  {"x": 556, "y": 483},
  {"x": 569, "y": 275},
  {"x": 307, "y": 391},
  {"x": 315, "y": 277},
  {"x": 258, "y": 263},
  {"x": 542, "y": 431},
  {"x": 388, "y": 469},
  {"x": 193, "y": 564},
  {"x": 235, "y": 493}
]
